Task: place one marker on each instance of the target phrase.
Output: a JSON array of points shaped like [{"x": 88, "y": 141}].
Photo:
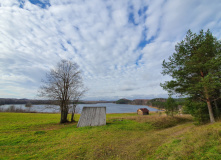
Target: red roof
[{"x": 144, "y": 109}]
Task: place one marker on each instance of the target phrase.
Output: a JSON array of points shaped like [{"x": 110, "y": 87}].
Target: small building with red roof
[{"x": 142, "y": 111}]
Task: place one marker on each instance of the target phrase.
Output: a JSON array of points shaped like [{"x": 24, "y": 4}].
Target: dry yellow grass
[{"x": 160, "y": 120}]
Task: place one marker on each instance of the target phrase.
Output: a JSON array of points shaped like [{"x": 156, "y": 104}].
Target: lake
[{"x": 111, "y": 107}]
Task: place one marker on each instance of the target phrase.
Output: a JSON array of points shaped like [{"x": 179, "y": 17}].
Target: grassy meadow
[{"x": 126, "y": 136}]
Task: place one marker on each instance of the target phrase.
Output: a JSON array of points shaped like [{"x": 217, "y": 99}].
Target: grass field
[{"x": 126, "y": 136}]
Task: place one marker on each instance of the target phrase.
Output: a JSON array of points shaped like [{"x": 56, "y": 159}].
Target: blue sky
[{"x": 118, "y": 44}]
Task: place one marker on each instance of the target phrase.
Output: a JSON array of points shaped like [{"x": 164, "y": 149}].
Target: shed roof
[{"x": 144, "y": 109}]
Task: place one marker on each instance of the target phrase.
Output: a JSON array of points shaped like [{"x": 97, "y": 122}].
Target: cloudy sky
[{"x": 118, "y": 44}]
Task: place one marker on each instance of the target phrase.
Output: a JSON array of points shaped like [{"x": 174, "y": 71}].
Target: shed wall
[{"x": 92, "y": 116}]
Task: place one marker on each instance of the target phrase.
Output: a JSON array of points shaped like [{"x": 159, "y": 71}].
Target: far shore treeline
[
  {"x": 4, "y": 101},
  {"x": 156, "y": 102}
]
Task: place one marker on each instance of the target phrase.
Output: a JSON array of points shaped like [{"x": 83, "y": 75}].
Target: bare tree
[
  {"x": 62, "y": 84},
  {"x": 77, "y": 96}
]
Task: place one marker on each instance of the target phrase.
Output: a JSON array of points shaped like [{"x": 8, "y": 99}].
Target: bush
[
  {"x": 198, "y": 110},
  {"x": 171, "y": 107}
]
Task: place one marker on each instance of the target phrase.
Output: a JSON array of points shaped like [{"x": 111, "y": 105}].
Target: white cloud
[{"x": 102, "y": 38}]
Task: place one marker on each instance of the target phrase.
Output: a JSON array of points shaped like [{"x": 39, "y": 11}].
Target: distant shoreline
[
  {"x": 148, "y": 106},
  {"x": 153, "y": 107}
]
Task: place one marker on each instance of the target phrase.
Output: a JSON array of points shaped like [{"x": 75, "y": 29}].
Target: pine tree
[
  {"x": 171, "y": 106},
  {"x": 195, "y": 69}
]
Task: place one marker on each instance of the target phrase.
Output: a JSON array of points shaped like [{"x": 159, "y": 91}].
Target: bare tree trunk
[
  {"x": 208, "y": 101},
  {"x": 64, "y": 114},
  {"x": 209, "y": 105},
  {"x": 72, "y": 116},
  {"x": 73, "y": 112},
  {"x": 212, "y": 120}
]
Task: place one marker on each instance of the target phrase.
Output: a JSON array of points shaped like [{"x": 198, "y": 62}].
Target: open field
[{"x": 126, "y": 136}]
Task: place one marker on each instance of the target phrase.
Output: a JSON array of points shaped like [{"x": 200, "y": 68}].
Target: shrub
[{"x": 198, "y": 110}]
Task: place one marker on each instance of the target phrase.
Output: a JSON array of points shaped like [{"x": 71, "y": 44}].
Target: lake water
[{"x": 111, "y": 107}]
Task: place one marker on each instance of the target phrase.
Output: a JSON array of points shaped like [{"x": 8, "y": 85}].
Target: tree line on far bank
[{"x": 4, "y": 101}]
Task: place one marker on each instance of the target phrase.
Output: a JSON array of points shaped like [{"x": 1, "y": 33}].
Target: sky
[{"x": 119, "y": 44}]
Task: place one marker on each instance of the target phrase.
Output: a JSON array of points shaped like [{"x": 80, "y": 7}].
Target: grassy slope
[{"x": 126, "y": 136}]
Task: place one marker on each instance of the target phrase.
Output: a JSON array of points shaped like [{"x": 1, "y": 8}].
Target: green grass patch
[
  {"x": 126, "y": 136},
  {"x": 40, "y": 132}
]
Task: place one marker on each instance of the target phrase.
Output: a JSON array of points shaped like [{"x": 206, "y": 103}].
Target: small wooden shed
[{"x": 142, "y": 111}]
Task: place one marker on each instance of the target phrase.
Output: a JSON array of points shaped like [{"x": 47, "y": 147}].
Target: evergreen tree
[
  {"x": 195, "y": 68},
  {"x": 171, "y": 106}
]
